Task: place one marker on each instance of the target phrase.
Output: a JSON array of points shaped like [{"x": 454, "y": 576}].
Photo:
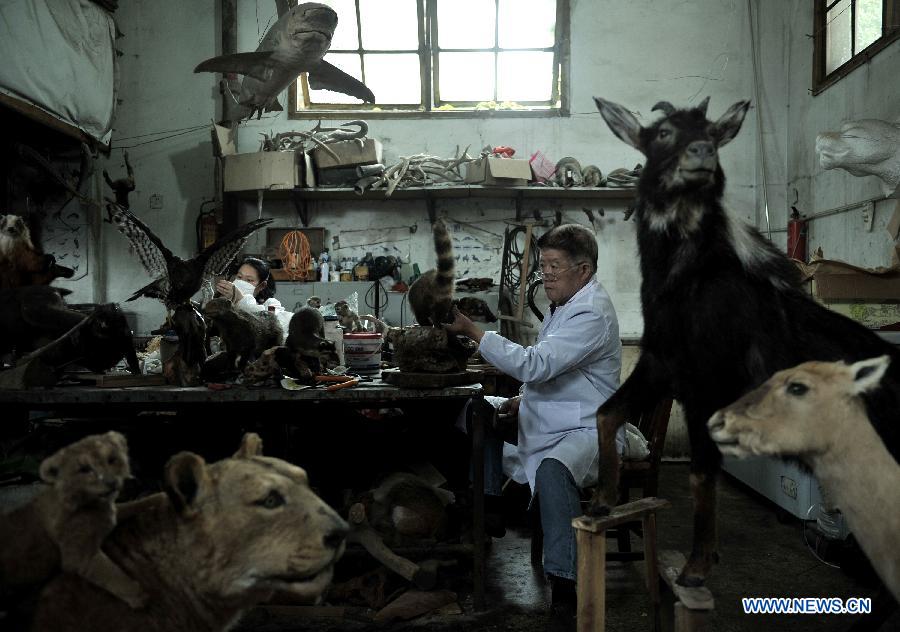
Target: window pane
[
  {"x": 466, "y": 23},
  {"x": 394, "y": 78},
  {"x": 345, "y": 35},
  {"x": 868, "y": 22},
  {"x": 525, "y": 76},
  {"x": 467, "y": 76},
  {"x": 389, "y": 24},
  {"x": 837, "y": 35},
  {"x": 349, "y": 63},
  {"x": 527, "y": 23}
]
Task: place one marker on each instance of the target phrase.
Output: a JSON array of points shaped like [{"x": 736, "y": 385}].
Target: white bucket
[{"x": 362, "y": 352}]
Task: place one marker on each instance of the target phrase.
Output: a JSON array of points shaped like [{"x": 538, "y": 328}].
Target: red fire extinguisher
[{"x": 796, "y": 230}]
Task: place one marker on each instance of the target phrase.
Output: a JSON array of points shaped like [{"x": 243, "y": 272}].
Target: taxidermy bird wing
[
  {"x": 324, "y": 76},
  {"x": 258, "y": 64},
  {"x": 214, "y": 259},
  {"x": 154, "y": 256}
]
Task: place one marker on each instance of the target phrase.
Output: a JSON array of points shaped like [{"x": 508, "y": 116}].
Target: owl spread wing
[
  {"x": 215, "y": 258},
  {"x": 154, "y": 256}
]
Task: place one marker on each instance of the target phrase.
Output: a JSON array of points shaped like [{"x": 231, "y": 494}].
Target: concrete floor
[{"x": 760, "y": 556}]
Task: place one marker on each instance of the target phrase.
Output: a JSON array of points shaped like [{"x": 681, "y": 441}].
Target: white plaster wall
[
  {"x": 635, "y": 53},
  {"x": 870, "y": 91}
]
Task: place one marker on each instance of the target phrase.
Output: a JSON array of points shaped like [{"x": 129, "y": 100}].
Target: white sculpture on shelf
[{"x": 867, "y": 147}]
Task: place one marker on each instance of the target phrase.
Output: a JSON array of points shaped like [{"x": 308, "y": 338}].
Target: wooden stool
[
  {"x": 591, "y": 539},
  {"x": 692, "y": 605}
]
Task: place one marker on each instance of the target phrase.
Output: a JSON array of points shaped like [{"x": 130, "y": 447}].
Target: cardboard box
[
  {"x": 350, "y": 153},
  {"x": 493, "y": 171},
  {"x": 832, "y": 280},
  {"x": 256, "y": 170},
  {"x": 266, "y": 170},
  {"x": 871, "y": 315}
]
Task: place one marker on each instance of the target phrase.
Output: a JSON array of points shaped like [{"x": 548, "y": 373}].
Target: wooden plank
[
  {"x": 454, "y": 191},
  {"x": 591, "y": 585},
  {"x": 623, "y": 513},
  {"x": 670, "y": 565},
  {"x": 428, "y": 380},
  {"x": 649, "y": 528},
  {"x": 119, "y": 380}
]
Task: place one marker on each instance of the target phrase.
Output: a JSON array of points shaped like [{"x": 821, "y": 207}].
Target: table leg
[{"x": 477, "y": 411}]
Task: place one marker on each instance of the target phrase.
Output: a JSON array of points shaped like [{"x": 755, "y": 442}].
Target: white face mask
[{"x": 246, "y": 288}]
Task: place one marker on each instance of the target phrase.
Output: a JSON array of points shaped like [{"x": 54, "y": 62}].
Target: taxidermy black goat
[
  {"x": 177, "y": 279},
  {"x": 723, "y": 309}
]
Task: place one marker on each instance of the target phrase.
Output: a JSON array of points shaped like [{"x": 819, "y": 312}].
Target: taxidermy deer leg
[{"x": 362, "y": 533}]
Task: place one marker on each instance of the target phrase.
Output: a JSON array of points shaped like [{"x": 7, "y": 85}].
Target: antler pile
[{"x": 416, "y": 170}]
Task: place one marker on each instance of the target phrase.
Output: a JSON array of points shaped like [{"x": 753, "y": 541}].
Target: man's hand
[
  {"x": 510, "y": 408},
  {"x": 462, "y": 325}
]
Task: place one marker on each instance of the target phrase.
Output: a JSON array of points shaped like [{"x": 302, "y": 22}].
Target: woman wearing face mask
[{"x": 252, "y": 289}]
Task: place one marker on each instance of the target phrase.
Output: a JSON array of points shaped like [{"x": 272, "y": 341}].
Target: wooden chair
[{"x": 640, "y": 474}]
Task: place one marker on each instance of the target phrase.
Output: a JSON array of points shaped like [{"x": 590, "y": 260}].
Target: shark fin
[
  {"x": 274, "y": 106},
  {"x": 324, "y": 76},
  {"x": 256, "y": 64}
]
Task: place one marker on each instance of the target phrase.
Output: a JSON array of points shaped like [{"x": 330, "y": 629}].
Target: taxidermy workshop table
[{"x": 265, "y": 403}]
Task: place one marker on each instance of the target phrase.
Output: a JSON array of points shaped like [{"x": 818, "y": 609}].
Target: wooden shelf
[{"x": 301, "y": 196}]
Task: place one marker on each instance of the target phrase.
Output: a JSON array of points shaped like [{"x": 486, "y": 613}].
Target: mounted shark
[{"x": 295, "y": 44}]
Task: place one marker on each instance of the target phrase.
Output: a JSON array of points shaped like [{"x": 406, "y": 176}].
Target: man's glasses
[{"x": 552, "y": 273}]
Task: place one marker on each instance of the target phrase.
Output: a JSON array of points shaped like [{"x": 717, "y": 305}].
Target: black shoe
[
  {"x": 562, "y": 591},
  {"x": 562, "y": 618}
]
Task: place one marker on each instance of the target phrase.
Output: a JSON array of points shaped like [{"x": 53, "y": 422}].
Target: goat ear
[
  {"x": 867, "y": 374},
  {"x": 621, "y": 122},
  {"x": 251, "y": 445},
  {"x": 729, "y": 125}
]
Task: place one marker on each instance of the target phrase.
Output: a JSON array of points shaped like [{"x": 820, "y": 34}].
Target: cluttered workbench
[{"x": 279, "y": 405}]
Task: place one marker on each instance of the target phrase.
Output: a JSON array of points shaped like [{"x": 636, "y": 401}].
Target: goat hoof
[
  {"x": 690, "y": 581},
  {"x": 598, "y": 509}
]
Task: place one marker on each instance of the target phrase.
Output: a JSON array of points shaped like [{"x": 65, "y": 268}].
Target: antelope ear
[
  {"x": 621, "y": 122},
  {"x": 119, "y": 439},
  {"x": 251, "y": 445},
  {"x": 184, "y": 480},
  {"x": 867, "y": 374},
  {"x": 728, "y": 126}
]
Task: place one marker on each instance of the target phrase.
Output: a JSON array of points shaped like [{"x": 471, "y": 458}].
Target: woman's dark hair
[
  {"x": 575, "y": 240},
  {"x": 262, "y": 270}
]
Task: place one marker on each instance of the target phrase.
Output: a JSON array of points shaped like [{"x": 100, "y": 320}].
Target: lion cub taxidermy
[
  {"x": 431, "y": 295},
  {"x": 66, "y": 525}
]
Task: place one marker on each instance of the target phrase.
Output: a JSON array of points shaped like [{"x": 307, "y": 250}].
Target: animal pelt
[
  {"x": 245, "y": 334},
  {"x": 220, "y": 539},
  {"x": 430, "y": 350},
  {"x": 347, "y": 318},
  {"x": 475, "y": 309},
  {"x": 306, "y": 341},
  {"x": 403, "y": 509},
  {"x": 568, "y": 172},
  {"x": 723, "y": 309},
  {"x": 64, "y": 527},
  {"x": 36, "y": 317}
]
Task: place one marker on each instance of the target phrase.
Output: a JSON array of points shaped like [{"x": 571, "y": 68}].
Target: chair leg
[
  {"x": 623, "y": 533},
  {"x": 649, "y": 529}
]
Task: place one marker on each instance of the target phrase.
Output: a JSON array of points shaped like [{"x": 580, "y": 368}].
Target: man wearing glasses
[{"x": 572, "y": 368}]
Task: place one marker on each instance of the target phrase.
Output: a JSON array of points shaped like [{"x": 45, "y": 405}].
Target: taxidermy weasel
[
  {"x": 347, "y": 318},
  {"x": 65, "y": 526},
  {"x": 245, "y": 335},
  {"x": 431, "y": 295}
]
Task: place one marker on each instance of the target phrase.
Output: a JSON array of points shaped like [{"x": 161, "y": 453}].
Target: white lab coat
[
  {"x": 572, "y": 368},
  {"x": 248, "y": 304}
]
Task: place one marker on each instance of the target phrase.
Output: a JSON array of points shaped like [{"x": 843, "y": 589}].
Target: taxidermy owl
[{"x": 177, "y": 279}]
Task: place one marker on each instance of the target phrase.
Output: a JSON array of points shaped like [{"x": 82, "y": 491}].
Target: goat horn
[
  {"x": 702, "y": 105},
  {"x": 665, "y": 106}
]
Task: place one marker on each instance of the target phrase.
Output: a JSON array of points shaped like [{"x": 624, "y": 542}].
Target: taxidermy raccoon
[
  {"x": 306, "y": 338},
  {"x": 245, "y": 335},
  {"x": 476, "y": 309},
  {"x": 431, "y": 295}
]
